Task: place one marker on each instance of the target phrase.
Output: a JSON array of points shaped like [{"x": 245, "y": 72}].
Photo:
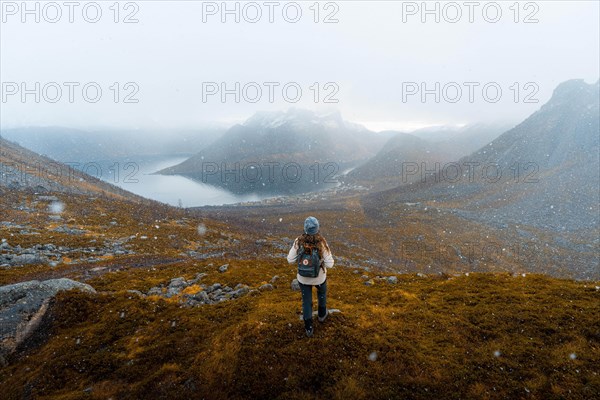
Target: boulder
[
  {"x": 392, "y": 279},
  {"x": 23, "y": 306},
  {"x": 266, "y": 286}
]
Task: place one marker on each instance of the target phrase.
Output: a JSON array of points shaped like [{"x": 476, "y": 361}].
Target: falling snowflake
[
  {"x": 373, "y": 356},
  {"x": 497, "y": 353},
  {"x": 56, "y": 207},
  {"x": 572, "y": 356}
]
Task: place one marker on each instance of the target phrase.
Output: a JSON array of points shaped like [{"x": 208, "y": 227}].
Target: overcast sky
[{"x": 369, "y": 57}]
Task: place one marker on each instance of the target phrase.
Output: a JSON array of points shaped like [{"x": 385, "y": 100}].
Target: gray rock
[
  {"x": 202, "y": 297},
  {"x": 23, "y": 306},
  {"x": 223, "y": 268},
  {"x": 274, "y": 279},
  {"x": 392, "y": 280},
  {"x": 137, "y": 292},
  {"x": 370, "y": 282},
  {"x": 155, "y": 291},
  {"x": 364, "y": 277},
  {"x": 178, "y": 283},
  {"x": 172, "y": 291},
  {"x": 198, "y": 277},
  {"x": 28, "y": 259},
  {"x": 266, "y": 286},
  {"x": 295, "y": 285},
  {"x": 239, "y": 292}
]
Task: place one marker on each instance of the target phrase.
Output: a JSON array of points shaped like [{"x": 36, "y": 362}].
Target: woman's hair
[{"x": 314, "y": 240}]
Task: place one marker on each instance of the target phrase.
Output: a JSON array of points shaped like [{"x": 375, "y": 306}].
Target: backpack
[{"x": 309, "y": 261}]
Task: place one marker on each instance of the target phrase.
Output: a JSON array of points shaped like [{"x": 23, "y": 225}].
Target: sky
[{"x": 385, "y": 64}]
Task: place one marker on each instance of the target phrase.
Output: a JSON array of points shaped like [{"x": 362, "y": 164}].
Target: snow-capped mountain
[{"x": 291, "y": 138}]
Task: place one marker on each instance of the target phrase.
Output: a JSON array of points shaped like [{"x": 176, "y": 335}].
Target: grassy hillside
[{"x": 481, "y": 335}]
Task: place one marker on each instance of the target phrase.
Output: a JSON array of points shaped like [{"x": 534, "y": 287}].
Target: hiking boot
[
  {"x": 308, "y": 326},
  {"x": 325, "y": 314}
]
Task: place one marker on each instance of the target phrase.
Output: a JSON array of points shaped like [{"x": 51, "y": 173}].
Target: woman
[{"x": 312, "y": 239}]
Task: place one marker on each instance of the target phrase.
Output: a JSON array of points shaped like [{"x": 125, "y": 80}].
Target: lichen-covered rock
[{"x": 23, "y": 305}]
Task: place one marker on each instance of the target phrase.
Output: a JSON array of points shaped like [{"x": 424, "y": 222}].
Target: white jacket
[{"x": 327, "y": 259}]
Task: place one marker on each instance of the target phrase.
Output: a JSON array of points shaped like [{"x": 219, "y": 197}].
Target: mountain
[
  {"x": 23, "y": 169},
  {"x": 542, "y": 174},
  {"x": 76, "y": 145},
  {"x": 399, "y": 154},
  {"x": 286, "y": 152},
  {"x": 404, "y": 154}
]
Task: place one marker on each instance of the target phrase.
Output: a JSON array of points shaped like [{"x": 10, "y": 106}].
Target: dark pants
[{"x": 307, "y": 299}]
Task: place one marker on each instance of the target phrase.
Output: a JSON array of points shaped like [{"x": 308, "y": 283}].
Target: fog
[{"x": 372, "y": 64}]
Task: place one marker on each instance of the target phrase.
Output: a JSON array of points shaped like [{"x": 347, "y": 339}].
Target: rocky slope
[
  {"x": 23, "y": 169},
  {"x": 543, "y": 174}
]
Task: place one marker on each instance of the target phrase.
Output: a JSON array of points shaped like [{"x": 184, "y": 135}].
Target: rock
[
  {"x": 27, "y": 259},
  {"x": 295, "y": 285},
  {"x": 23, "y": 306},
  {"x": 261, "y": 241},
  {"x": 266, "y": 286},
  {"x": 4, "y": 245},
  {"x": 223, "y": 268},
  {"x": 370, "y": 282},
  {"x": 155, "y": 291},
  {"x": 47, "y": 198},
  {"x": 364, "y": 277},
  {"x": 274, "y": 279},
  {"x": 137, "y": 292},
  {"x": 178, "y": 283},
  {"x": 172, "y": 291},
  {"x": 240, "y": 291},
  {"x": 202, "y": 297},
  {"x": 392, "y": 280},
  {"x": 198, "y": 277},
  {"x": 356, "y": 272}
]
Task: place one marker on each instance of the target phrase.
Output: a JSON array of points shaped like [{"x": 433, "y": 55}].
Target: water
[{"x": 134, "y": 174}]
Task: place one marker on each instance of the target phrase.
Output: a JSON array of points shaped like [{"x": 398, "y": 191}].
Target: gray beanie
[{"x": 311, "y": 226}]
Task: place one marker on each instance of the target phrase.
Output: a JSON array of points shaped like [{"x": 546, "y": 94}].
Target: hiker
[{"x": 313, "y": 256}]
